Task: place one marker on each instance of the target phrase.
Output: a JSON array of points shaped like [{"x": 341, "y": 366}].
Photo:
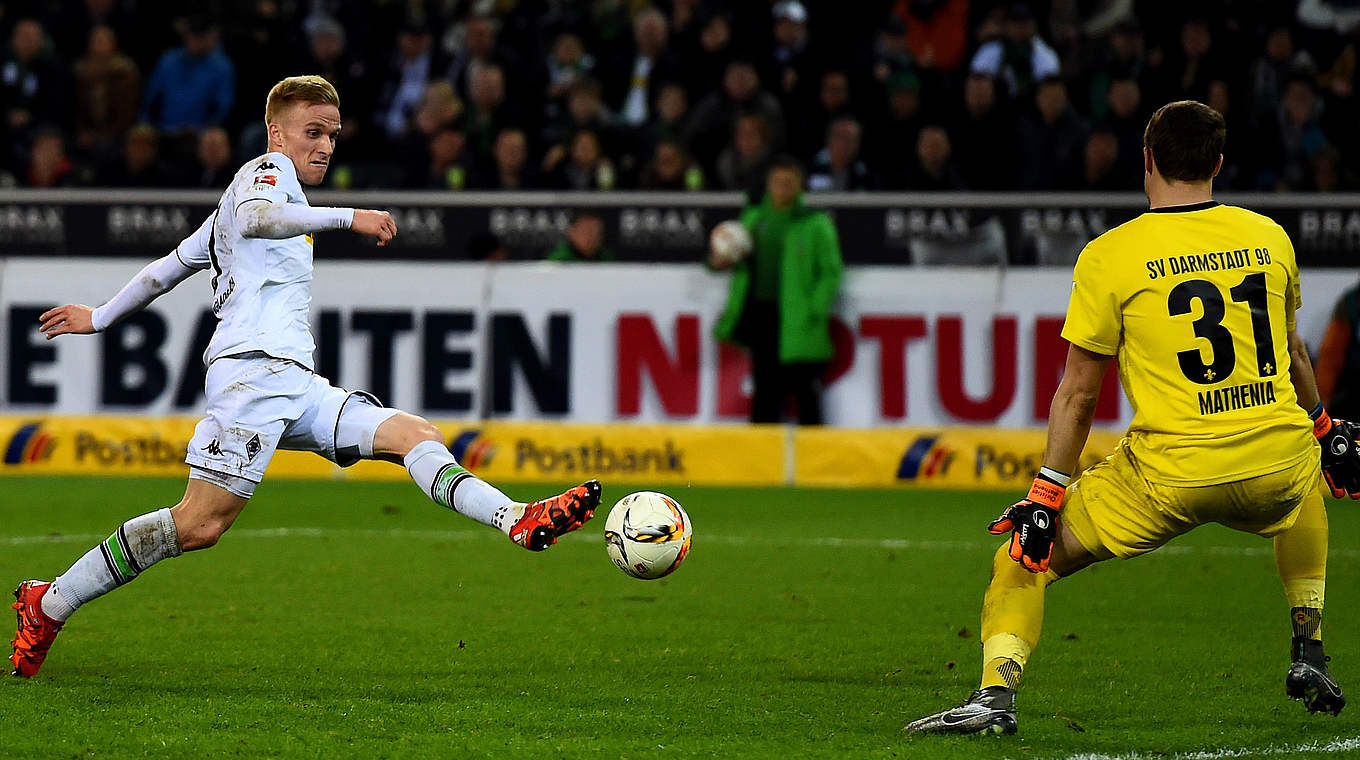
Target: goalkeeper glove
[
  {"x": 1340, "y": 457},
  {"x": 1033, "y": 521}
]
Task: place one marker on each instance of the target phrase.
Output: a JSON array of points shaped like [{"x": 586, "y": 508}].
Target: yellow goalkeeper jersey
[{"x": 1196, "y": 303}]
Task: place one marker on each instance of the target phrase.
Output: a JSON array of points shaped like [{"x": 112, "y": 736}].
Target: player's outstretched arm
[
  {"x": 155, "y": 279},
  {"x": 263, "y": 218},
  {"x": 1338, "y": 438},
  {"x": 1033, "y": 521},
  {"x": 158, "y": 277}
]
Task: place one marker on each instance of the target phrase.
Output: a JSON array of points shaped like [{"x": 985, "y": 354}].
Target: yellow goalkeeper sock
[
  {"x": 1301, "y": 557},
  {"x": 1012, "y": 617}
]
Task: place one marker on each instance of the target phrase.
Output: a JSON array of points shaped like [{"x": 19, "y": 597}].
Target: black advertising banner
[{"x": 936, "y": 229}]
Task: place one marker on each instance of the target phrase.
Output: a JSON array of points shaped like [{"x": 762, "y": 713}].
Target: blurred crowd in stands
[{"x": 681, "y": 94}]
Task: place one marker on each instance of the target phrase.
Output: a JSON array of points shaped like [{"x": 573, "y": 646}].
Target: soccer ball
[
  {"x": 647, "y": 534},
  {"x": 730, "y": 242}
]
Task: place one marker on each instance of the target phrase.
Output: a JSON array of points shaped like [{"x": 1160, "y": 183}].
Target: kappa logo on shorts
[
  {"x": 253, "y": 447},
  {"x": 213, "y": 448}
]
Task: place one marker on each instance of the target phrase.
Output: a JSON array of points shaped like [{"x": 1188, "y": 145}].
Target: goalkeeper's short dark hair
[{"x": 1186, "y": 139}]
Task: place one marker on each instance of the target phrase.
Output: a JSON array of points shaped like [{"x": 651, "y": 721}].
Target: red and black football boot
[{"x": 545, "y": 520}]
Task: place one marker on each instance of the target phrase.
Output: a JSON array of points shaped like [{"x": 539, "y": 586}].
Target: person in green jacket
[
  {"x": 583, "y": 240},
  {"x": 779, "y": 303}
]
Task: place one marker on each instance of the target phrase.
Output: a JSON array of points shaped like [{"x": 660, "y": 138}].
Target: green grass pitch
[{"x": 358, "y": 620}]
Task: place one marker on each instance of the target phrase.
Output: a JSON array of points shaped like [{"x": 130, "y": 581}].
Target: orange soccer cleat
[
  {"x": 545, "y": 520},
  {"x": 36, "y": 630}
]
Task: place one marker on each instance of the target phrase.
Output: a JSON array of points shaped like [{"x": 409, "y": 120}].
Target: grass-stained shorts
[
  {"x": 259, "y": 404},
  {"x": 1115, "y": 511}
]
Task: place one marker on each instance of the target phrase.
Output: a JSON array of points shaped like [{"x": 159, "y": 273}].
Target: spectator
[
  {"x": 79, "y": 19},
  {"x": 1123, "y": 58},
  {"x": 1125, "y": 118},
  {"x": 899, "y": 127},
  {"x": 712, "y": 120},
  {"x": 1326, "y": 174},
  {"x": 510, "y": 168},
  {"x": 1235, "y": 172},
  {"x": 1299, "y": 133},
  {"x": 1329, "y": 15},
  {"x": 1100, "y": 164},
  {"x": 587, "y": 167},
  {"x": 413, "y": 65},
  {"x": 934, "y": 168},
  {"x": 745, "y": 162},
  {"x": 140, "y": 164},
  {"x": 32, "y": 83},
  {"x": 327, "y": 55},
  {"x": 936, "y": 31},
  {"x": 1284, "y": 143},
  {"x": 1187, "y": 72},
  {"x": 215, "y": 167},
  {"x": 652, "y": 65},
  {"x": 838, "y": 166},
  {"x": 106, "y": 92},
  {"x": 671, "y": 169},
  {"x": 833, "y": 101},
  {"x": 780, "y": 298},
  {"x": 669, "y": 115},
  {"x": 583, "y": 240},
  {"x": 892, "y": 51},
  {"x": 585, "y": 111},
  {"x": 449, "y": 165},
  {"x": 1338, "y": 364},
  {"x": 1053, "y": 136},
  {"x": 792, "y": 69},
  {"x": 1019, "y": 58},
  {"x": 1274, "y": 68},
  {"x": 568, "y": 63},
  {"x": 703, "y": 70},
  {"x": 480, "y": 48},
  {"x": 192, "y": 86},
  {"x": 439, "y": 109},
  {"x": 487, "y": 113},
  {"x": 987, "y": 154},
  {"x": 48, "y": 165}
]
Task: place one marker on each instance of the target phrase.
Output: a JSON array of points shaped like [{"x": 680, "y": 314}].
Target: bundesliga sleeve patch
[{"x": 266, "y": 179}]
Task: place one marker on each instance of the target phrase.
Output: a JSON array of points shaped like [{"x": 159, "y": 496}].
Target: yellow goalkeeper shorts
[{"x": 1114, "y": 511}]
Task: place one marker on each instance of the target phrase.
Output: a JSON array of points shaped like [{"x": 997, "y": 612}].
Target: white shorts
[{"x": 257, "y": 405}]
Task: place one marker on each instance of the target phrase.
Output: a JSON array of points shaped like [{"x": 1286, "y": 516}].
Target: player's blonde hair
[{"x": 310, "y": 89}]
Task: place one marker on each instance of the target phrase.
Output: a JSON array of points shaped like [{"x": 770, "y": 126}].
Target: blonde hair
[{"x": 310, "y": 89}]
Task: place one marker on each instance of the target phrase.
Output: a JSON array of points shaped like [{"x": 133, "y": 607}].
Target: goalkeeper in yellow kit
[{"x": 1196, "y": 300}]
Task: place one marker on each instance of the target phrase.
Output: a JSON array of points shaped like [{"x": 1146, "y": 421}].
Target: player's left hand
[
  {"x": 1340, "y": 456},
  {"x": 73, "y": 318},
  {"x": 1033, "y": 522}
]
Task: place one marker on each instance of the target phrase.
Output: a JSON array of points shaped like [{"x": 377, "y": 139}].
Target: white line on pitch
[
  {"x": 1335, "y": 745},
  {"x": 703, "y": 538}
]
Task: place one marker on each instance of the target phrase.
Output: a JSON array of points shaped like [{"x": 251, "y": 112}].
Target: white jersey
[{"x": 262, "y": 289}]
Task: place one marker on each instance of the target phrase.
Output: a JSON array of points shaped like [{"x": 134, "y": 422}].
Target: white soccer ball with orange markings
[
  {"x": 730, "y": 242},
  {"x": 647, "y": 534}
]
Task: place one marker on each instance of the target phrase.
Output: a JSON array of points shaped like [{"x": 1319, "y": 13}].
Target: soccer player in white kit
[{"x": 262, "y": 393}]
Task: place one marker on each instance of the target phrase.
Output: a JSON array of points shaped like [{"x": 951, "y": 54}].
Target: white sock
[
  {"x": 138, "y": 544},
  {"x": 440, "y": 476}
]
